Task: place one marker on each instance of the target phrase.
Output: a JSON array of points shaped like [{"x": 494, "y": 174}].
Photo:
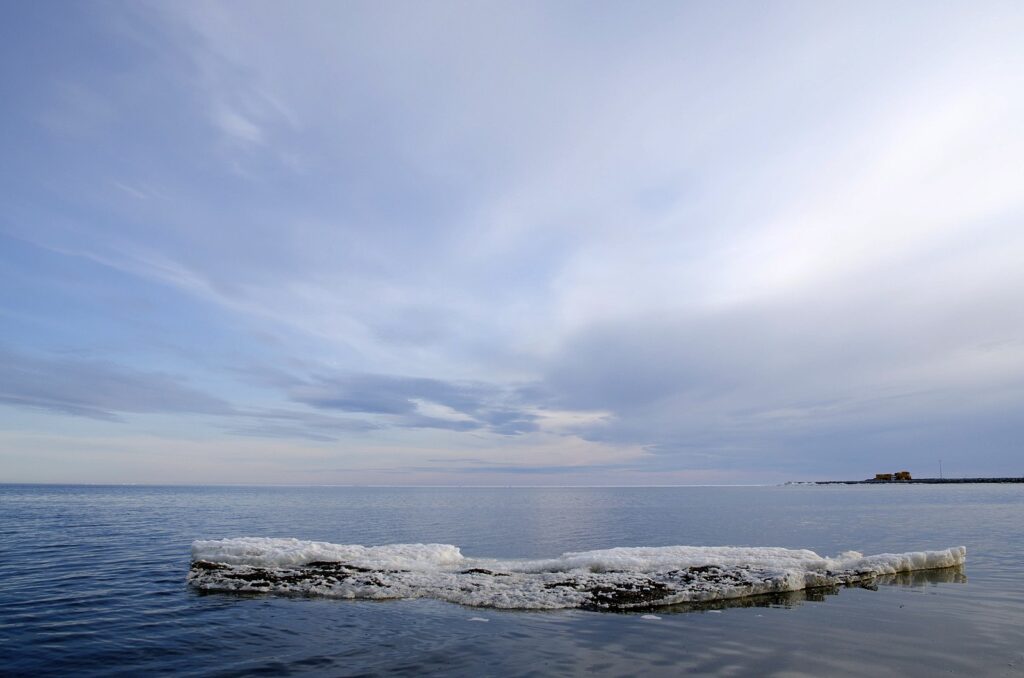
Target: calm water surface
[{"x": 92, "y": 582}]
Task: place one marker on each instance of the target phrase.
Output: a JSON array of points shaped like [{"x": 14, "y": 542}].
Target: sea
[{"x": 93, "y": 582}]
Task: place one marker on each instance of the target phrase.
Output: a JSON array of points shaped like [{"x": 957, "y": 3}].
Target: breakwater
[{"x": 920, "y": 481}]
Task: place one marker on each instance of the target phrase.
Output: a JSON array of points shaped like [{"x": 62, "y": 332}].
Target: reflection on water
[{"x": 945, "y": 575}]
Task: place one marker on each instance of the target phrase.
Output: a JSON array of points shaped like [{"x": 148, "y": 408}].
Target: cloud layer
[{"x": 603, "y": 244}]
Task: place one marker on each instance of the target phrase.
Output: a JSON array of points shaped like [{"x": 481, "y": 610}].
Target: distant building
[{"x": 889, "y": 477}]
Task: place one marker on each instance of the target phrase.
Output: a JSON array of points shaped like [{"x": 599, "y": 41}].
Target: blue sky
[{"x": 517, "y": 243}]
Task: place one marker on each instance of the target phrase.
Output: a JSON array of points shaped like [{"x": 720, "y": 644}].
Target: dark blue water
[{"x": 92, "y": 582}]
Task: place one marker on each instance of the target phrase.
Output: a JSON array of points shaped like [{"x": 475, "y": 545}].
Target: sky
[{"x": 519, "y": 243}]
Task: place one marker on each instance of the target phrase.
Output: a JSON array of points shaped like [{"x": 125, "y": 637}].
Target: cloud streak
[{"x": 97, "y": 389}]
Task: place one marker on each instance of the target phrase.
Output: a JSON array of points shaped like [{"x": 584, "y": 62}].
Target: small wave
[{"x": 609, "y": 579}]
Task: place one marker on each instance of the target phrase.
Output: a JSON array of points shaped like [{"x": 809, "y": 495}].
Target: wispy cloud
[{"x": 238, "y": 127}]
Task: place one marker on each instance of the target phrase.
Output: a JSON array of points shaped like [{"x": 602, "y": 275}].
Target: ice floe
[{"x": 617, "y": 578}]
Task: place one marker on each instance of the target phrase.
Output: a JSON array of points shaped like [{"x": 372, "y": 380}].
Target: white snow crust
[
  {"x": 617, "y": 578},
  {"x": 265, "y": 552}
]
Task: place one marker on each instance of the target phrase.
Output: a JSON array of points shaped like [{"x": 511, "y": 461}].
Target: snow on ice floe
[{"x": 617, "y": 578}]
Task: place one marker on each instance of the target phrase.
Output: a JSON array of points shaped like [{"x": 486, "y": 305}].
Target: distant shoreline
[{"x": 917, "y": 481}]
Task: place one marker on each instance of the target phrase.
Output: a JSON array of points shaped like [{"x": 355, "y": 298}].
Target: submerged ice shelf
[{"x": 610, "y": 579}]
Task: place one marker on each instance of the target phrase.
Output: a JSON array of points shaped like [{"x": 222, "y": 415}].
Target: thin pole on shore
[{"x": 940, "y": 469}]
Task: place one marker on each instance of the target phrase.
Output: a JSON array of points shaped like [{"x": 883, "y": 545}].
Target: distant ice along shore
[{"x": 610, "y": 579}]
